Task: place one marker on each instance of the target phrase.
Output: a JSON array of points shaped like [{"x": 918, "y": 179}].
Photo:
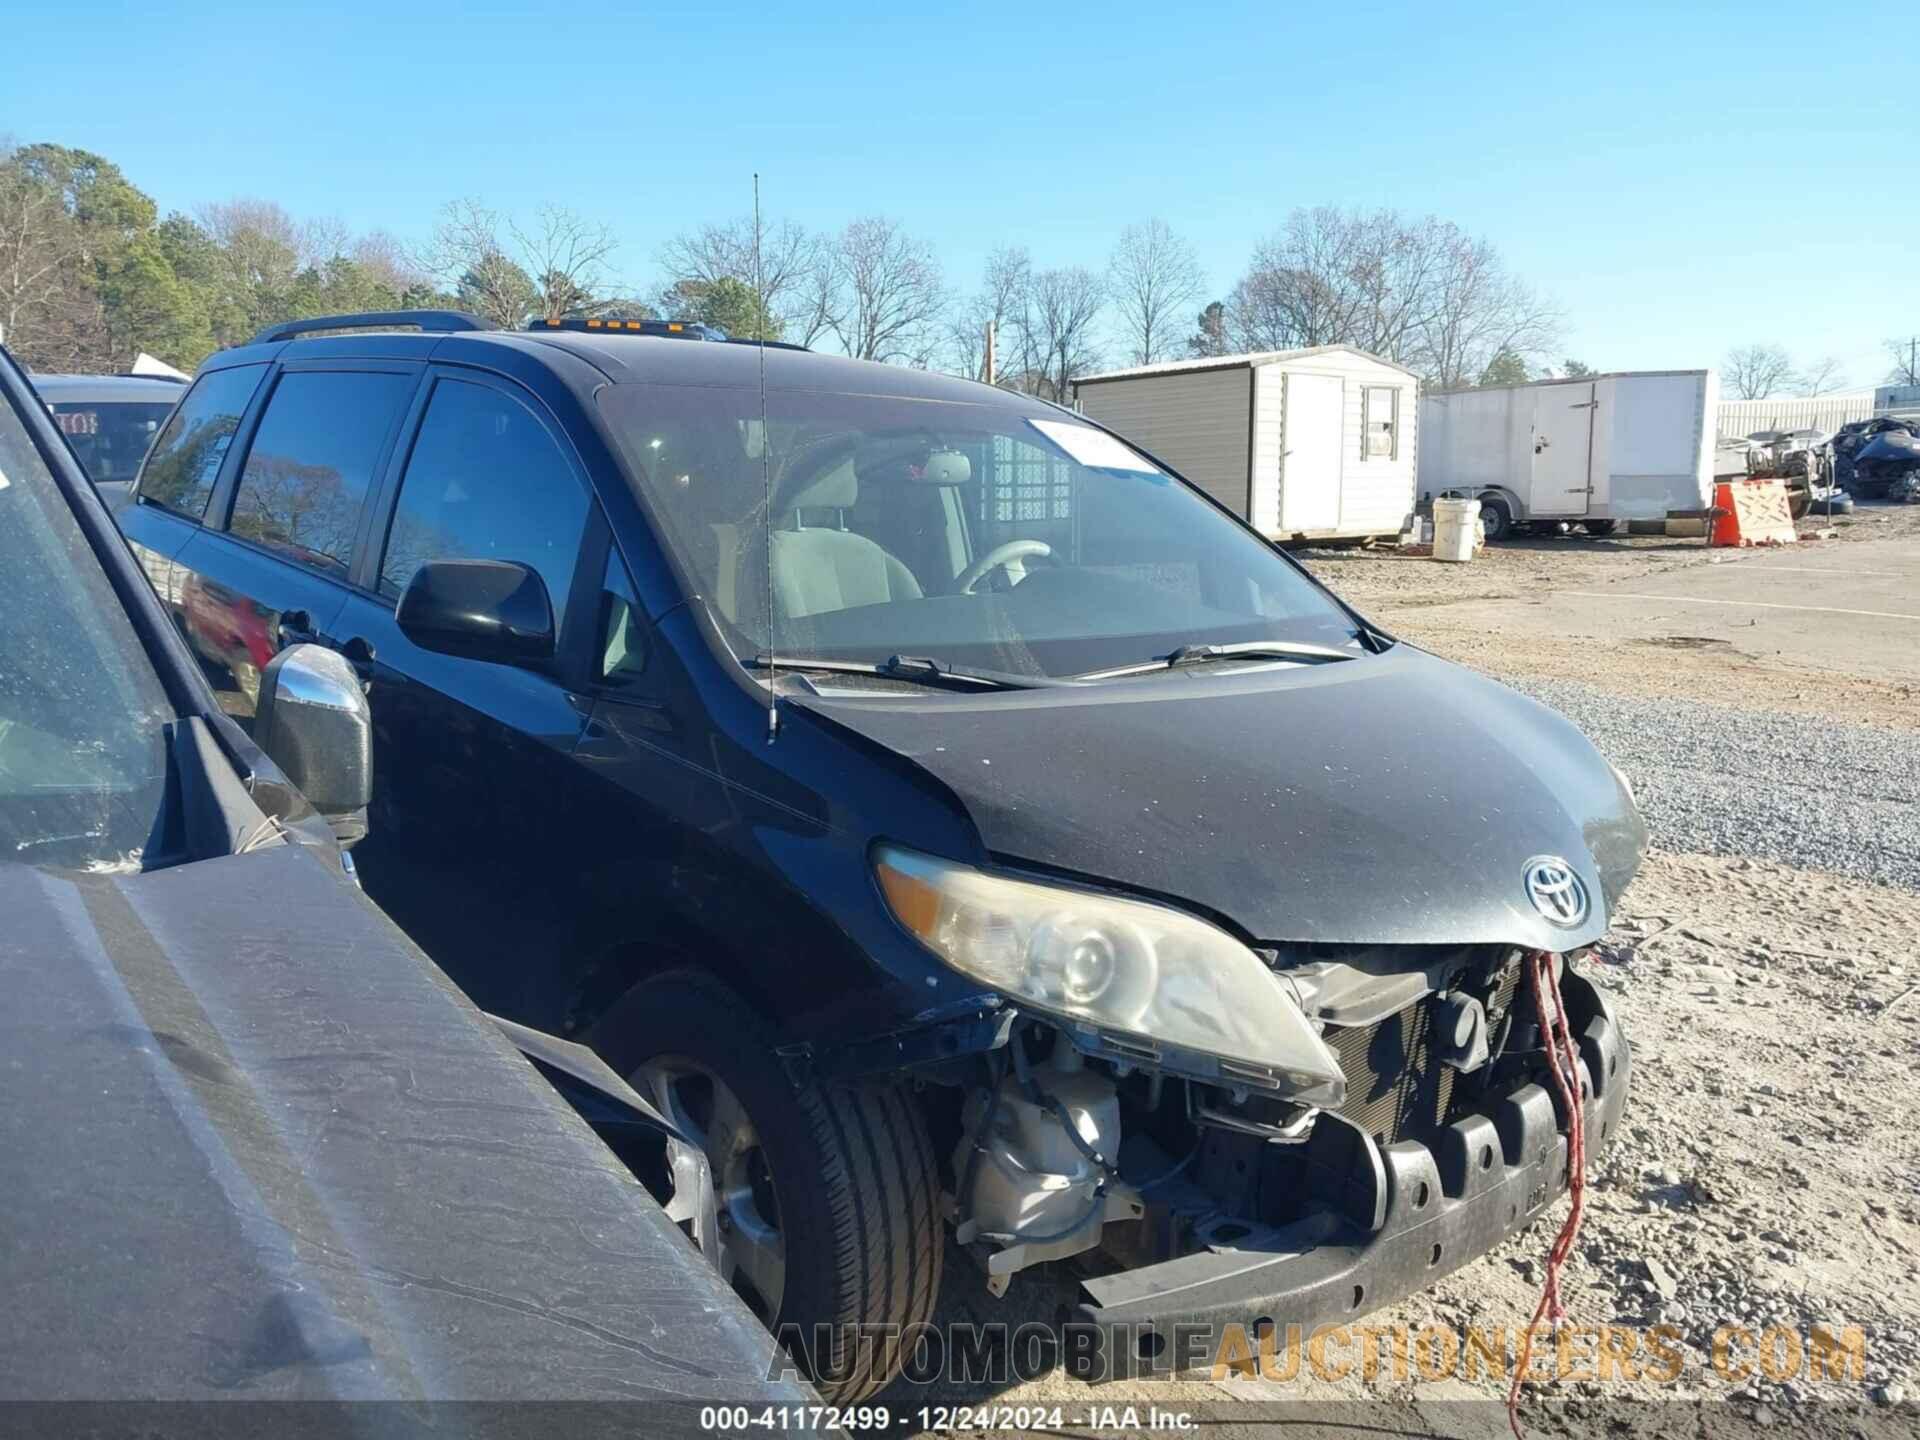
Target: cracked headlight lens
[{"x": 1121, "y": 965}]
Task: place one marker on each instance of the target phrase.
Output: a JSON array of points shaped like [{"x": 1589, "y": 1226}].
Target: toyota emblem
[{"x": 1556, "y": 891}]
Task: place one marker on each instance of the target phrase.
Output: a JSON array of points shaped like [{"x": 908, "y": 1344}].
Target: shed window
[{"x": 1380, "y": 422}]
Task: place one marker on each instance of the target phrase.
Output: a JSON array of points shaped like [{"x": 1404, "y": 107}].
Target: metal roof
[
  {"x": 1236, "y": 362},
  {"x": 101, "y": 389},
  {"x": 1438, "y": 393}
]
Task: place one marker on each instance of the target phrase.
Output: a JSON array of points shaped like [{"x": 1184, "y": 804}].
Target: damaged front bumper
[{"x": 1436, "y": 1205}]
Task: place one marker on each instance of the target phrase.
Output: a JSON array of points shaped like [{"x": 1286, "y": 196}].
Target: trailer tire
[
  {"x": 1600, "y": 527},
  {"x": 1496, "y": 518},
  {"x": 851, "y": 1169}
]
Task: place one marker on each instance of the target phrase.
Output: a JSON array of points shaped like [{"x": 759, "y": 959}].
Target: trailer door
[
  {"x": 1310, "y": 465},
  {"x": 1562, "y": 450}
]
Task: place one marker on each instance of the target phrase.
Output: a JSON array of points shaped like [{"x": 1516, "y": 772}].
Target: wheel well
[{"x": 622, "y": 967}]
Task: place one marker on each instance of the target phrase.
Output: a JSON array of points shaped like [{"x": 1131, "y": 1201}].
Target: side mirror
[
  {"x": 314, "y": 723},
  {"x": 494, "y": 610}
]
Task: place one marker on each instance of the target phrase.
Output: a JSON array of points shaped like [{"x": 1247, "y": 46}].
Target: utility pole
[{"x": 991, "y": 367}]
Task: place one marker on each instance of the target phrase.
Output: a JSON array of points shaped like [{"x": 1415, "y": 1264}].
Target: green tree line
[{"x": 91, "y": 274}]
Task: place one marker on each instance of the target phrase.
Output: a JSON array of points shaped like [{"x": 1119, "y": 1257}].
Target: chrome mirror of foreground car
[{"x": 315, "y": 724}]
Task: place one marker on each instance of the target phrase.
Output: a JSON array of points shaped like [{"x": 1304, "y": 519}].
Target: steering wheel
[{"x": 999, "y": 556}]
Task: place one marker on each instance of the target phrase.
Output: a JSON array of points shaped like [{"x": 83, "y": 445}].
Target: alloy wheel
[{"x": 723, "y": 1196}]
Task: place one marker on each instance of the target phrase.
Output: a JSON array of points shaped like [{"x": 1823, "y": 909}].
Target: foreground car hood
[
  {"x": 254, "y": 1145},
  {"x": 1394, "y": 799}
]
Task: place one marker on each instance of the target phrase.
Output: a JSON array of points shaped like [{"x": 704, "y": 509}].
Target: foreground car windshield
[
  {"x": 82, "y": 759},
  {"x": 975, "y": 535}
]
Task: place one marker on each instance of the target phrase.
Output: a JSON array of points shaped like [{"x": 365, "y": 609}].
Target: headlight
[{"x": 1122, "y": 965}]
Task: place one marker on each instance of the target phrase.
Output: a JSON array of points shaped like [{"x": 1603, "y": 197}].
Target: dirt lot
[
  {"x": 1487, "y": 615},
  {"x": 1769, "y": 1174}
]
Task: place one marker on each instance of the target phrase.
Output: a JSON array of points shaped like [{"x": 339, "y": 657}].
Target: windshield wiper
[
  {"x": 1202, "y": 654},
  {"x": 914, "y": 669}
]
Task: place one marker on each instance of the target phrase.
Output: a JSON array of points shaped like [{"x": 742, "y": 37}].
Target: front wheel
[{"x": 819, "y": 1204}]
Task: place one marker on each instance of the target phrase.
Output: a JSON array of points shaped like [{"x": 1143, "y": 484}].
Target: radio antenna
[{"x": 766, "y": 468}]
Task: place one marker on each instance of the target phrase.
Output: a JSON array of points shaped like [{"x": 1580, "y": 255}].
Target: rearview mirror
[
  {"x": 314, "y": 723},
  {"x": 494, "y": 610}
]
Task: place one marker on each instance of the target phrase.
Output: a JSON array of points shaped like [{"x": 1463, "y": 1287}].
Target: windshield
[
  {"x": 82, "y": 757},
  {"x": 110, "y": 436},
  {"x": 976, "y": 535}
]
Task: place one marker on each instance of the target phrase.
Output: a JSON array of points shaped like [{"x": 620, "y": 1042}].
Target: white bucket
[{"x": 1453, "y": 528}]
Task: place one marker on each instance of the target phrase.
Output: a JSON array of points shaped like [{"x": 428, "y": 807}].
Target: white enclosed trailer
[
  {"x": 1304, "y": 444},
  {"x": 1594, "y": 451}
]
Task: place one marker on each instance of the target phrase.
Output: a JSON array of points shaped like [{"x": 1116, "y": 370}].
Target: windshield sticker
[{"x": 1094, "y": 449}]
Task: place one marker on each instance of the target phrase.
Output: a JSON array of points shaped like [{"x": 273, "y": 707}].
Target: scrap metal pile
[
  {"x": 1799, "y": 458},
  {"x": 1878, "y": 458}
]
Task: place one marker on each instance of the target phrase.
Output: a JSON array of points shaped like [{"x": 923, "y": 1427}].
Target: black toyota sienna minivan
[{"x": 952, "y": 817}]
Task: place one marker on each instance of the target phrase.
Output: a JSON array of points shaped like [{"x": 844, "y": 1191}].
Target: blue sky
[{"x": 1680, "y": 178}]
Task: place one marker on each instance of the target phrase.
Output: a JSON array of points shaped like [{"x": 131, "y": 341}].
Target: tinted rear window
[
  {"x": 312, "y": 463},
  {"x": 186, "y": 458},
  {"x": 110, "y": 436}
]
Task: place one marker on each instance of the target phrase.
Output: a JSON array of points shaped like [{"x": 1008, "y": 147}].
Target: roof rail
[{"x": 427, "y": 320}]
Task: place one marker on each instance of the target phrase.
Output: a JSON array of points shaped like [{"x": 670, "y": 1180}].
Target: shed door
[
  {"x": 1310, "y": 463},
  {"x": 1562, "y": 449}
]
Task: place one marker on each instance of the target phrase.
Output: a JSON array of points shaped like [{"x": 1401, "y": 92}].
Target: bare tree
[
  {"x": 503, "y": 269},
  {"x": 1152, "y": 278},
  {"x": 263, "y": 246},
  {"x": 1003, "y": 304},
  {"x": 1821, "y": 377},
  {"x": 1906, "y": 362},
  {"x": 567, "y": 256},
  {"x": 42, "y": 305},
  {"x": 886, "y": 296},
  {"x": 1753, "y": 372},
  {"x": 1418, "y": 291},
  {"x": 791, "y": 271},
  {"x": 1476, "y": 310},
  {"x": 1064, "y": 309},
  {"x": 468, "y": 254},
  {"x": 388, "y": 262}
]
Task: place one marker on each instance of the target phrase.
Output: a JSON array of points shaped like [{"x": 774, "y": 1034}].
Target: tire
[
  {"x": 1600, "y": 527},
  {"x": 1799, "y": 501},
  {"x": 852, "y": 1174},
  {"x": 1496, "y": 519}
]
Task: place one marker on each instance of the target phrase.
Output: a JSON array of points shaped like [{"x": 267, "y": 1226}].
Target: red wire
[{"x": 1563, "y": 1060}]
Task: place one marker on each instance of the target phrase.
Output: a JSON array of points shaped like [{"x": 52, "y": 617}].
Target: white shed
[{"x": 1305, "y": 444}]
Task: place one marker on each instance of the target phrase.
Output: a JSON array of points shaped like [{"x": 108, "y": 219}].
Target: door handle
[
  {"x": 296, "y": 628},
  {"x": 359, "y": 654}
]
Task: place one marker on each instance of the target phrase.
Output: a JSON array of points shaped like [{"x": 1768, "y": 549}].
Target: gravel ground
[{"x": 1710, "y": 778}]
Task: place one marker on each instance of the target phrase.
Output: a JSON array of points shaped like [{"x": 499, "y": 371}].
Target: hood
[
  {"x": 1890, "y": 445},
  {"x": 1395, "y": 799},
  {"x": 253, "y": 1145}
]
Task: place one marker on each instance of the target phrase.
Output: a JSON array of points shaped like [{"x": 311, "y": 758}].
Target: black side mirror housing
[{"x": 492, "y": 610}]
